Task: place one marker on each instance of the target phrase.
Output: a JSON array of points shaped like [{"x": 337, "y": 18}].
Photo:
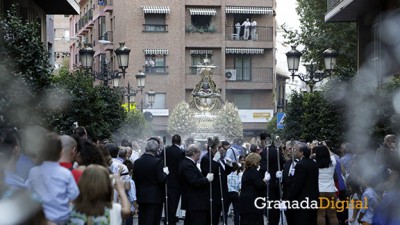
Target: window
[
  {"x": 242, "y": 101},
  {"x": 155, "y": 23},
  {"x": 102, "y": 27},
  {"x": 243, "y": 67},
  {"x": 159, "y": 101},
  {"x": 155, "y": 64},
  {"x": 198, "y": 60}
]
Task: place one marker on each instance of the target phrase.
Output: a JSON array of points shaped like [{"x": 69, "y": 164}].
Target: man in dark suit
[
  {"x": 305, "y": 185},
  {"x": 271, "y": 162},
  {"x": 220, "y": 184},
  {"x": 195, "y": 194},
  {"x": 150, "y": 177},
  {"x": 173, "y": 157},
  {"x": 288, "y": 178}
]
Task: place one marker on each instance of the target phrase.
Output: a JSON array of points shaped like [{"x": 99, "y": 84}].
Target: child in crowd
[
  {"x": 53, "y": 183},
  {"x": 131, "y": 192}
]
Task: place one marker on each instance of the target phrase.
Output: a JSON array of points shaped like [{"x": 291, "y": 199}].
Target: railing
[
  {"x": 107, "y": 37},
  {"x": 332, "y": 3},
  {"x": 193, "y": 70},
  {"x": 88, "y": 16},
  {"x": 155, "y": 69},
  {"x": 261, "y": 33},
  {"x": 253, "y": 74},
  {"x": 155, "y": 28}
]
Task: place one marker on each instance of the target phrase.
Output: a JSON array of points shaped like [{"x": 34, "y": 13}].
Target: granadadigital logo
[{"x": 322, "y": 202}]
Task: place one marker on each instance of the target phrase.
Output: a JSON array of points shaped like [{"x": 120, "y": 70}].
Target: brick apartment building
[{"x": 177, "y": 35}]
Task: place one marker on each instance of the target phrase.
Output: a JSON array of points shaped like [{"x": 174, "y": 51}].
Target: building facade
[
  {"x": 168, "y": 39},
  {"x": 373, "y": 52}
]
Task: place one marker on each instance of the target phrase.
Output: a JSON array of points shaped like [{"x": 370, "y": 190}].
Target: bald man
[{"x": 68, "y": 154}]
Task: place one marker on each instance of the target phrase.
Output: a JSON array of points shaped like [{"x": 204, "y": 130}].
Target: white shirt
[
  {"x": 254, "y": 23},
  {"x": 326, "y": 182},
  {"x": 135, "y": 155},
  {"x": 246, "y": 24},
  {"x": 56, "y": 187}
]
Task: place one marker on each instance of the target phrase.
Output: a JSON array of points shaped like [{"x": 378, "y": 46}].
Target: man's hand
[
  {"x": 217, "y": 156},
  {"x": 278, "y": 174},
  {"x": 210, "y": 177},
  {"x": 166, "y": 170}
]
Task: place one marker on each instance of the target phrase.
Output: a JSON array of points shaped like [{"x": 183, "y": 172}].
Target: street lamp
[
  {"x": 86, "y": 57},
  {"x": 313, "y": 75},
  {"x": 131, "y": 92}
]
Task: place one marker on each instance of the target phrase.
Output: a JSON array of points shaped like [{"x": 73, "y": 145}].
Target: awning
[
  {"x": 248, "y": 10},
  {"x": 156, "y": 9},
  {"x": 156, "y": 51},
  {"x": 203, "y": 11},
  {"x": 201, "y": 52},
  {"x": 244, "y": 51},
  {"x": 59, "y": 7}
]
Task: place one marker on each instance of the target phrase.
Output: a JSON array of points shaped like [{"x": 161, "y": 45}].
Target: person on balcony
[
  {"x": 253, "y": 28},
  {"x": 246, "y": 24}
]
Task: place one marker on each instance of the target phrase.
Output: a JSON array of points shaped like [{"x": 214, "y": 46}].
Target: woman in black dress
[{"x": 253, "y": 186}]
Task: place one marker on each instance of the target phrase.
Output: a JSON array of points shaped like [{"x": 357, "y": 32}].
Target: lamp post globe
[
  {"x": 122, "y": 54},
  {"x": 330, "y": 56},
  {"x": 293, "y": 60},
  {"x": 86, "y": 57},
  {"x": 141, "y": 79},
  {"x": 152, "y": 96}
]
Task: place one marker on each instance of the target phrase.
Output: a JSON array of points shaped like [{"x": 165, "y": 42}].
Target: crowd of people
[{"x": 62, "y": 179}]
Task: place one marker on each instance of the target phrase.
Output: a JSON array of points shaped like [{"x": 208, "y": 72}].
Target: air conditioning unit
[{"x": 230, "y": 74}]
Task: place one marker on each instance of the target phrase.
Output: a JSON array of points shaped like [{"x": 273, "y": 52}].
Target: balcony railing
[
  {"x": 84, "y": 20},
  {"x": 155, "y": 69},
  {"x": 261, "y": 33},
  {"x": 107, "y": 37},
  {"x": 252, "y": 74},
  {"x": 155, "y": 28}
]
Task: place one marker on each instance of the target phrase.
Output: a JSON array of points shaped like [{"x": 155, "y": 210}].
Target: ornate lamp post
[
  {"x": 313, "y": 75},
  {"x": 130, "y": 92},
  {"x": 86, "y": 57}
]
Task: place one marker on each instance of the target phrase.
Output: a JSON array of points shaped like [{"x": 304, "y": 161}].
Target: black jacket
[
  {"x": 174, "y": 157},
  {"x": 305, "y": 182},
  {"x": 287, "y": 179},
  {"x": 273, "y": 164},
  {"x": 149, "y": 179},
  {"x": 215, "y": 167},
  {"x": 253, "y": 187},
  {"x": 195, "y": 191}
]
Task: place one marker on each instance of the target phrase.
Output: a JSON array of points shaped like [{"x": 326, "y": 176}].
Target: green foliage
[
  {"x": 316, "y": 35},
  {"x": 23, "y": 51},
  {"x": 181, "y": 120},
  {"x": 293, "y": 121},
  {"x": 134, "y": 127},
  {"x": 311, "y": 117},
  {"x": 97, "y": 108},
  {"x": 25, "y": 71},
  {"x": 228, "y": 122}
]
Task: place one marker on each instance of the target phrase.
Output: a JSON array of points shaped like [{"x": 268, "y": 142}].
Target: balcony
[
  {"x": 156, "y": 28},
  {"x": 107, "y": 4},
  {"x": 85, "y": 22},
  {"x": 107, "y": 40},
  {"x": 155, "y": 69},
  {"x": 250, "y": 74},
  {"x": 237, "y": 34}
]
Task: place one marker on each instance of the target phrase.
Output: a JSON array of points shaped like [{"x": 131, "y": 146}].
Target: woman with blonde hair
[
  {"x": 94, "y": 205},
  {"x": 253, "y": 186}
]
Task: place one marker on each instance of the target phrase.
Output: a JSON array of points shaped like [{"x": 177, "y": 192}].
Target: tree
[
  {"x": 316, "y": 35},
  {"x": 134, "y": 126},
  {"x": 25, "y": 71},
  {"x": 98, "y": 108},
  {"x": 310, "y": 116}
]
